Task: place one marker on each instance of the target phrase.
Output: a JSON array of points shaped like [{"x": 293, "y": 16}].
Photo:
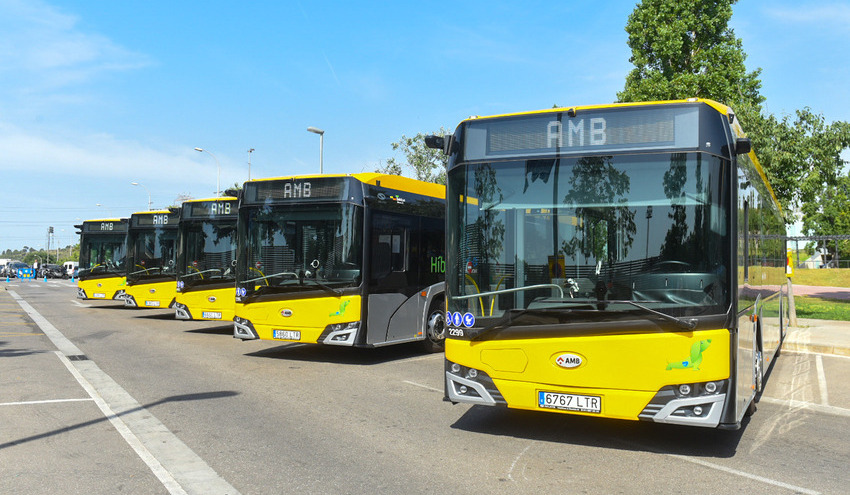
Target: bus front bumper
[{"x": 684, "y": 404}]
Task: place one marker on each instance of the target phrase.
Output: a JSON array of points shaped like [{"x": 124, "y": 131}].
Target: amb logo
[{"x": 569, "y": 360}]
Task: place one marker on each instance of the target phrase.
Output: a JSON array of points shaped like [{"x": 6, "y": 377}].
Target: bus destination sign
[
  {"x": 211, "y": 209},
  {"x": 105, "y": 226},
  {"x": 284, "y": 190},
  {"x": 158, "y": 219},
  {"x": 604, "y": 130}
]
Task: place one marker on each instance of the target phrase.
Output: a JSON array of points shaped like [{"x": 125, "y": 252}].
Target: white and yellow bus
[
  {"x": 206, "y": 260},
  {"x": 102, "y": 274},
  {"x": 348, "y": 260},
  {"x": 151, "y": 259},
  {"x": 619, "y": 261}
]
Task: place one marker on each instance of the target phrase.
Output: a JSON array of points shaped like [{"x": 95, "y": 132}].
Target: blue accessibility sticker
[
  {"x": 468, "y": 320},
  {"x": 457, "y": 318}
]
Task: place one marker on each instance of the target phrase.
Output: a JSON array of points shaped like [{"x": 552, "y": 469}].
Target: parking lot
[{"x": 96, "y": 398}]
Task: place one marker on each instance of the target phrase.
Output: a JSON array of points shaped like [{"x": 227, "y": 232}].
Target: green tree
[
  {"x": 685, "y": 48},
  {"x": 830, "y": 215},
  {"x": 427, "y": 164}
]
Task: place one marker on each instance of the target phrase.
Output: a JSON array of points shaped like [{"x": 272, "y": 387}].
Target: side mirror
[
  {"x": 445, "y": 143},
  {"x": 743, "y": 146}
]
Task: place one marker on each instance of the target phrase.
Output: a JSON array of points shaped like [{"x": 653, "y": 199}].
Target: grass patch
[
  {"x": 825, "y": 277},
  {"x": 822, "y": 309}
]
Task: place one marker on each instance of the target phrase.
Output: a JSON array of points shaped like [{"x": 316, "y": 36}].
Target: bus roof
[
  {"x": 377, "y": 179},
  {"x": 223, "y": 198},
  {"x": 721, "y": 108}
]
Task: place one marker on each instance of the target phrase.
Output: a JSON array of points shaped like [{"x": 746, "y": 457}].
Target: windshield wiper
[
  {"x": 510, "y": 315},
  {"x": 688, "y": 324},
  {"x": 327, "y": 288}
]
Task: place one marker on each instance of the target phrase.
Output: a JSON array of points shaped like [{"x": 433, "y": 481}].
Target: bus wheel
[{"x": 435, "y": 329}]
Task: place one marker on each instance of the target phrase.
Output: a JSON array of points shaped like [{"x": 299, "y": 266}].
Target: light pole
[
  {"x": 250, "y": 150},
  {"x": 321, "y": 134},
  {"x": 218, "y": 175},
  {"x": 149, "y": 193}
]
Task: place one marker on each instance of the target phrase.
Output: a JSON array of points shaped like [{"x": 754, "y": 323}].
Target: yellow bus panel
[
  {"x": 310, "y": 316},
  {"x": 209, "y": 304},
  {"x": 151, "y": 295},
  {"x": 101, "y": 288},
  {"x": 624, "y": 370}
]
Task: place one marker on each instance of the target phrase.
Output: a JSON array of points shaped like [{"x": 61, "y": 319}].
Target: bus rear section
[
  {"x": 102, "y": 270},
  {"x": 151, "y": 259},
  {"x": 351, "y": 260},
  {"x": 206, "y": 271},
  {"x": 612, "y": 261}
]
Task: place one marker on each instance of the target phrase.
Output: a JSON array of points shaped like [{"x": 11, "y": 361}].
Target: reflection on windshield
[
  {"x": 153, "y": 254},
  {"x": 209, "y": 248},
  {"x": 311, "y": 247},
  {"x": 102, "y": 255},
  {"x": 550, "y": 233}
]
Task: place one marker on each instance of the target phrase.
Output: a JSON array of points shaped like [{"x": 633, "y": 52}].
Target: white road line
[
  {"x": 48, "y": 401},
  {"x": 694, "y": 460},
  {"x": 132, "y": 440},
  {"x": 824, "y": 397},
  {"x": 422, "y": 386},
  {"x": 178, "y": 468},
  {"x": 839, "y": 356},
  {"x": 798, "y": 404},
  {"x": 513, "y": 464}
]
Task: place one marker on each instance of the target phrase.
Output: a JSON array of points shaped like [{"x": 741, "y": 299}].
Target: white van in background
[{"x": 70, "y": 267}]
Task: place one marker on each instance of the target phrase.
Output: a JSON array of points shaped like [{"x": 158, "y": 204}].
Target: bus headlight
[{"x": 340, "y": 333}]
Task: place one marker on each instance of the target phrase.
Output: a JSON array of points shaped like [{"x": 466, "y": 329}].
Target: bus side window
[{"x": 381, "y": 260}]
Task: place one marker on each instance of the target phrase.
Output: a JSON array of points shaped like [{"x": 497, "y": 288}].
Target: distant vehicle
[
  {"x": 52, "y": 271},
  {"x": 13, "y": 267},
  {"x": 69, "y": 267}
]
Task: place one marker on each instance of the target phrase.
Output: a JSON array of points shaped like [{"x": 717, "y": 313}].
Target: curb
[{"x": 817, "y": 348}]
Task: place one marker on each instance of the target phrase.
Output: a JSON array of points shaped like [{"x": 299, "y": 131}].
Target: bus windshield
[
  {"x": 153, "y": 253},
  {"x": 210, "y": 248},
  {"x": 590, "y": 236},
  {"x": 102, "y": 254},
  {"x": 297, "y": 248}
]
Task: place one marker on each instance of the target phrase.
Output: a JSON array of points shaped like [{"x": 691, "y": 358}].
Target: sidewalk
[{"x": 824, "y": 336}]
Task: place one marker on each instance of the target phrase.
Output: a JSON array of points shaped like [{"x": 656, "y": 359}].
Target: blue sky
[{"x": 96, "y": 95}]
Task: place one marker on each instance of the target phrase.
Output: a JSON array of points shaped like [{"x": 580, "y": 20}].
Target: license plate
[
  {"x": 286, "y": 334},
  {"x": 152, "y": 303},
  {"x": 213, "y": 315},
  {"x": 99, "y": 295},
  {"x": 569, "y": 402}
]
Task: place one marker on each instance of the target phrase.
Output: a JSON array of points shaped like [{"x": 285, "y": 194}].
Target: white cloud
[{"x": 43, "y": 49}]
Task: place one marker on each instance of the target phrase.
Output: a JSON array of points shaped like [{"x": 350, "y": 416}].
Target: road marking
[
  {"x": 513, "y": 464},
  {"x": 797, "y": 351},
  {"x": 48, "y": 401},
  {"x": 177, "y": 467},
  {"x": 694, "y": 460},
  {"x": 422, "y": 386},
  {"x": 824, "y": 397},
  {"x": 798, "y": 404}
]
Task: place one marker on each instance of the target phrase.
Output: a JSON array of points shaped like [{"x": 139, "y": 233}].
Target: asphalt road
[{"x": 147, "y": 404}]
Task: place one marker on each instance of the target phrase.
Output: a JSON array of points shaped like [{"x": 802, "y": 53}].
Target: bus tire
[{"x": 435, "y": 328}]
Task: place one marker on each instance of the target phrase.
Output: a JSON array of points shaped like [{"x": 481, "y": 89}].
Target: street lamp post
[
  {"x": 250, "y": 150},
  {"x": 149, "y": 194},
  {"x": 321, "y": 134},
  {"x": 218, "y": 175}
]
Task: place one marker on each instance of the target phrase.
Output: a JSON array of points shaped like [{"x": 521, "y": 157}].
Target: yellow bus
[
  {"x": 619, "y": 261},
  {"x": 151, "y": 258},
  {"x": 348, "y": 260},
  {"x": 206, "y": 254},
  {"x": 102, "y": 253}
]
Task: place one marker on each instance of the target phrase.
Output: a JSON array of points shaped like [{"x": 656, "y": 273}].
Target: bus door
[{"x": 392, "y": 309}]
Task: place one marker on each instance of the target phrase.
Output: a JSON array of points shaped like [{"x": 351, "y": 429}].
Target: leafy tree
[
  {"x": 685, "y": 48},
  {"x": 427, "y": 164},
  {"x": 830, "y": 215}
]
